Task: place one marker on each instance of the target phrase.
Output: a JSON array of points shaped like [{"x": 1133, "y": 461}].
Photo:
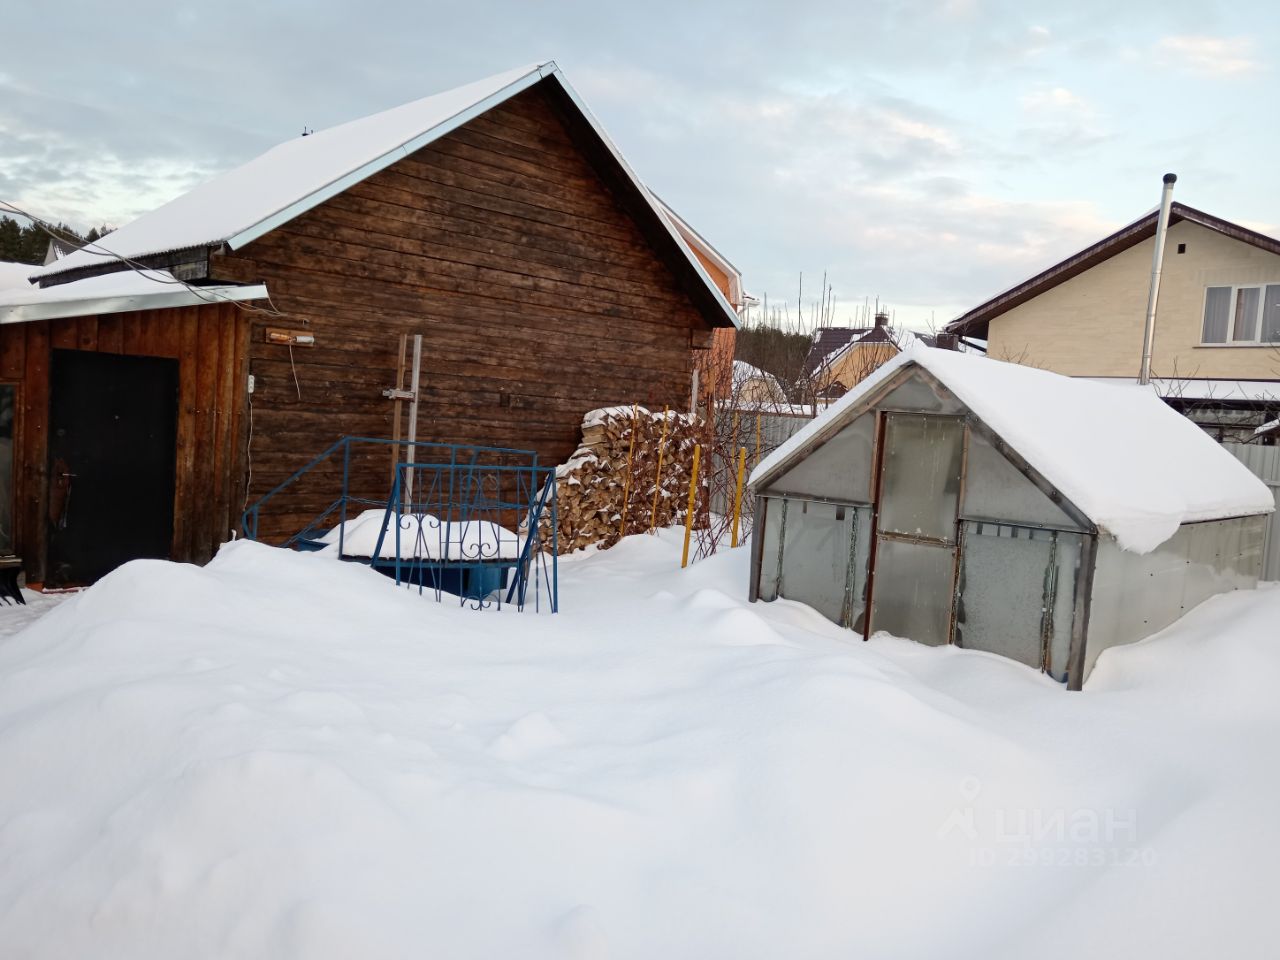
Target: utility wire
[{"x": 94, "y": 248}]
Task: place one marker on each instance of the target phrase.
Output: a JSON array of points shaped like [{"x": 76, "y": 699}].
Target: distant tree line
[
  {"x": 776, "y": 351},
  {"x": 28, "y": 244}
]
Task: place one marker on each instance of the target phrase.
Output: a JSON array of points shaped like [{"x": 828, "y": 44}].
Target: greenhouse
[{"x": 954, "y": 499}]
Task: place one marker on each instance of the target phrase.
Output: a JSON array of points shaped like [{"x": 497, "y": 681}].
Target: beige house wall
[
  {"x": 1092, "y": 324},
  {"x": 856, "y": 364}
]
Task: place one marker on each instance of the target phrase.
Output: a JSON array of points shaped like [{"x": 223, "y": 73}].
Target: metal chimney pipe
[{"x": 1157, "y": 262}]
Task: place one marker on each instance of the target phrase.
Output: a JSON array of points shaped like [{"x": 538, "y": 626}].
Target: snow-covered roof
[
  {"x": 14, "y": 275},
  {"x": 243, "y": 204},
  {"x": 743, "y": 371},
  {"x": 1236, "y": 391},
  {"x": 1136, "y": 468},
  {"x": 250, "y": 199},
  {"x": 114, "y": 293}
]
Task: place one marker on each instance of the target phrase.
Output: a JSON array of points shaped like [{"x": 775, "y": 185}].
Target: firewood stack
[{"x": 589, "y": 486}]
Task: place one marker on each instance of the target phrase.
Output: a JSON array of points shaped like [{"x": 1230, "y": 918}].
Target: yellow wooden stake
[
  {"x": 693, "y": 499},
  {"x": 626, "y": 484},
  {"x": 657, "y": 480},
  {"x": 737, "y": 496}
]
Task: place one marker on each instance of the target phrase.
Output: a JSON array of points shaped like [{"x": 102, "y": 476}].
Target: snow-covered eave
[
  {"x": 691, "y": 236},
  {"x": 47, "y": 308},
  {"x": 1197, "y": 389}
]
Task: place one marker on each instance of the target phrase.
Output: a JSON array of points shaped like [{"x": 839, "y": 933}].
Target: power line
[{"x": 95, "y": 248}]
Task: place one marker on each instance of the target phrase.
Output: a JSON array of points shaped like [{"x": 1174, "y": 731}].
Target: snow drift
[{"x": 281, "y": 755}]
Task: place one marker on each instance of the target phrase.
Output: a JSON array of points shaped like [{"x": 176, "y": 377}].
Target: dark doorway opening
[{"x": 112, "y": 454}]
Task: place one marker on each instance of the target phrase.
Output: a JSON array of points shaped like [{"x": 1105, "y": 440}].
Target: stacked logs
[{"x": 590, "y": 485}]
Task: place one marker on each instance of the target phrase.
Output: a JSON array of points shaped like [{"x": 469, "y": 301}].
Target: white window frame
[{"x": 1261, "y": 287}]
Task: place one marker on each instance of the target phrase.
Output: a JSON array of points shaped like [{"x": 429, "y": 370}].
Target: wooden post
[
  {"x": 757, "y": 463},
  {"x": 626, "y": 483},
  {"x": 657, "y": 480},
  {"x": 737, "y": 496},
  {"x": 395, "y": 420},
  {"x": 693, "y": 499},
  {"x": 410, "y": 454}
]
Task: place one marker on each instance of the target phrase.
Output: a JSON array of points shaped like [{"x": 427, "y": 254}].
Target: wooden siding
[
  {"x": 206, "y": 341},
  {"x": 538, "y": 296}
]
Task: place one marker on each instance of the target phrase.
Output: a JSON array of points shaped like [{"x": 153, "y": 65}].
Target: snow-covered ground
[{"x": 282, "y": 756}]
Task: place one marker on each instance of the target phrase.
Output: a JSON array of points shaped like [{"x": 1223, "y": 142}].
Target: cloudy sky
[{"x": 926, "y": 153}]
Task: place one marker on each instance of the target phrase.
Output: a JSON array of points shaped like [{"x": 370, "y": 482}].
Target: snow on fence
[{"x": 1265, "y": 464}]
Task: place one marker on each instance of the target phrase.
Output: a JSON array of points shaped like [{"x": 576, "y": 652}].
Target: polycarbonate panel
[
  {"x": 816, "y": 555},
  {"x": 911, "y": 595},
  {"x": 915, "y": 394},
  {"x": 856, "y": 600},
  {"x": 1135, "y": 595},
  {"x": 994, "y": 489},
  {"x": 1070, "y": 550},
  {"x": 1017, "y": 593},
  {"x": 771, "y": 548},
  {"x": 840, "y": 469},
  {"x": 920, "y": 485}
]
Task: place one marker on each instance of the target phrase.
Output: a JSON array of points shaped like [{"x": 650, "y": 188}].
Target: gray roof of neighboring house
[{"x": 828, "y": 340}]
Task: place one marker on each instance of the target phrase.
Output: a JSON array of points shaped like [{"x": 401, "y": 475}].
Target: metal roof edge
[
  {"x": 713, "y": 254},
  {"x": 363, "y": 172},
  {"x": 123, "y": 303}
]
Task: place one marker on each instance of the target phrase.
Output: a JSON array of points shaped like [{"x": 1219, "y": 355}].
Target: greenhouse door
[{"x": 917, "y": 498}]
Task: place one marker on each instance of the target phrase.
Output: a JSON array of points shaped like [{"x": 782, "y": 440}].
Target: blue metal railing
[{"x": 481, "y": 521}]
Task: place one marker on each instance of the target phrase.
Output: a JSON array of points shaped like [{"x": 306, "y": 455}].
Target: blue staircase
[{"x": 477, "y": 524}]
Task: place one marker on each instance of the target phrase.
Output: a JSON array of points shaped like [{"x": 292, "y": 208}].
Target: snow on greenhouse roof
[{"x": 1136, "y": 468}]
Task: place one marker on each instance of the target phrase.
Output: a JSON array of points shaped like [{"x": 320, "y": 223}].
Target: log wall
[{"x": 538, "y": 296}]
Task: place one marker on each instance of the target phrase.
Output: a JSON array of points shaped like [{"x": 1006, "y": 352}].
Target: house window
[{"x": 1242, "y": 315}]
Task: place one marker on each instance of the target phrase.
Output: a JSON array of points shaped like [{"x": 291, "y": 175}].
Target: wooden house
[{"x": 197, "y": 357}]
